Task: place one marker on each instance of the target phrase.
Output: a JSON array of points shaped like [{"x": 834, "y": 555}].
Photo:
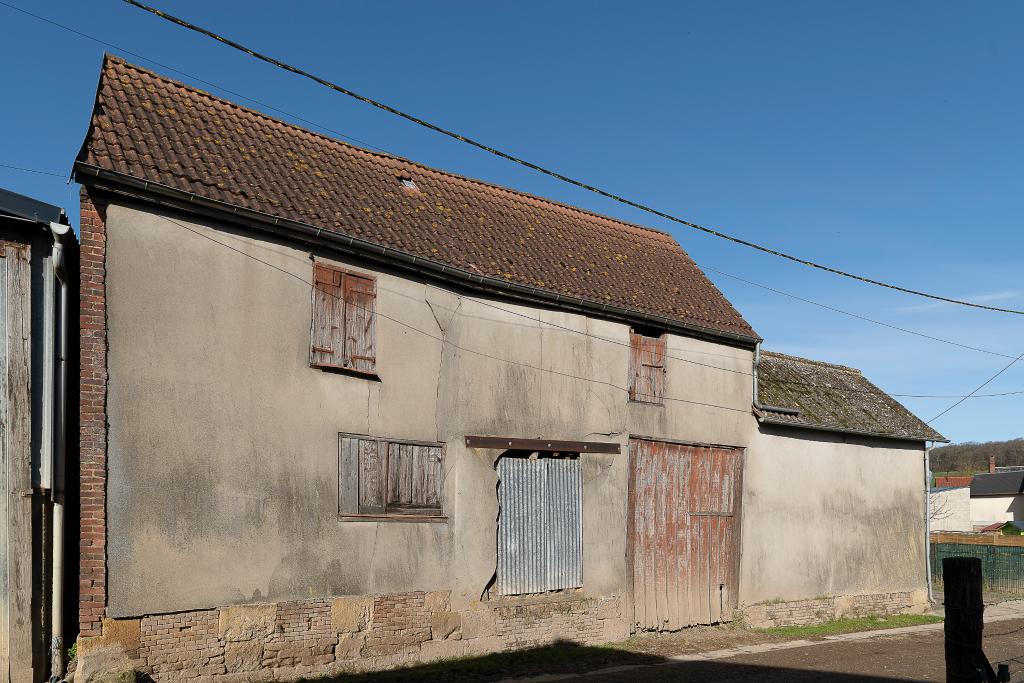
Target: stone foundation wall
[
  {"x": 337, "y": 635},
  {"x": 827, "y": 608}
]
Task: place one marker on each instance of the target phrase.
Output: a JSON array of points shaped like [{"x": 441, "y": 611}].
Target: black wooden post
[{"x": 965, "y": 610}]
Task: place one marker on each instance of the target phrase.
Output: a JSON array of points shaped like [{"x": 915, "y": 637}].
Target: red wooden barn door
[{"x": 684, "y": 533}]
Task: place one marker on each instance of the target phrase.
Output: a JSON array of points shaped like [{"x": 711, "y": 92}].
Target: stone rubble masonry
[
  {"x": 329, "y": 636},
  {"x": 93, "y": 417},
  {"x": 828, "y": 608}
]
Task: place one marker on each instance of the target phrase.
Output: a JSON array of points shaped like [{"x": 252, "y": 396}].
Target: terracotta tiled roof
[
  {"x": 832, "y": 397},
  {"x": 953, "y": 481},
  {"x": 156, "y": 129}
]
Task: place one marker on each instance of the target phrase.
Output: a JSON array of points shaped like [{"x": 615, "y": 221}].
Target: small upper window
[
  {"x": 646, "y": 367},
  {"x": 343, "y": 333},
  {"x": 409, "y": 184}
]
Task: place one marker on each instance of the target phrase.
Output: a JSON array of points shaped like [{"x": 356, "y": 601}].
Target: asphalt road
[{"x": 910, "y": 657}]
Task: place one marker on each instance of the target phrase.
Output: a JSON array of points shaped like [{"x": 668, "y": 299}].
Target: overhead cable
[{"x": 554, "y": 174}]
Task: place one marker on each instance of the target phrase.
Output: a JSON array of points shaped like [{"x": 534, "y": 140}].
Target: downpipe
[
  {"x": 57, "y": 455},
  {"x": 928, "y": 520}
]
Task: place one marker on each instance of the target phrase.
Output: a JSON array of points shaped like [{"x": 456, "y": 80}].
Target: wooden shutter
[
  {"x": 383, "y": 477},
  {"x": 372, "y": 468},
  {"x": 414, "y": 479},
  {"x": 655, "y": 365},
  {"x": 647, "y": 368},
  {"x": 327, "y": 339},
  {"x": 360, "y": 323}
]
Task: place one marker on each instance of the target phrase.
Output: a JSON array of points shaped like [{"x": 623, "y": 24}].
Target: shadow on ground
[{"x": 596, "y": 664}]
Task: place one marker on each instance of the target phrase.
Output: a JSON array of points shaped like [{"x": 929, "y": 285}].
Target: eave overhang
[{"x": 147, "y": 191}]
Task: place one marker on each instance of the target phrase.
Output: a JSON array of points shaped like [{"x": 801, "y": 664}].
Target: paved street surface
[{"x": 915, "y": 655}]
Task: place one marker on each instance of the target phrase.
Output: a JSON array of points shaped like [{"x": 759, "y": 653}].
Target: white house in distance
[
  {"x": 950, "y": 508},
  {"x": 997, "y": 497}
]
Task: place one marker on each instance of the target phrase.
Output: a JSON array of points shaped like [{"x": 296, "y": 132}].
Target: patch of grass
[{"x": 852, "y": 625}]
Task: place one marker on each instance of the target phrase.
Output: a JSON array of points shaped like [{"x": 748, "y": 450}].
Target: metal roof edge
[
  {"x": 192, "y": 203},
  {"x": 29, "y": 208},
  {"x": 839, "y": 430}
]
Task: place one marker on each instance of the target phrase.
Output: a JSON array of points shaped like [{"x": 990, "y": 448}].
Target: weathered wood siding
[
  {"x": 684, "y": 504},
  {"x": 15, "y": 463}
]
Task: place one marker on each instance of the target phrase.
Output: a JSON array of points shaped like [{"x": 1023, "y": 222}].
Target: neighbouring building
[
  {"x": 1004, "y": 528},
  {"x": 834, "y": 494},
  {"x": 953, "y": 481},
  {"x": 997, "y": 497},
  {"x": 38, "y": 350},
  {"x": 346, "y": 411},
  {"x": 950, "y": 508}
]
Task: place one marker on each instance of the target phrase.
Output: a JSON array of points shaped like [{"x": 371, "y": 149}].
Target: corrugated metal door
[
  {"x": 684, "y": 547},
  {"x": 540, "y": 525}
]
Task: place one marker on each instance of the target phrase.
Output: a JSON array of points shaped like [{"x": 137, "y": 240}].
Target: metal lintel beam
[{"x": 509, "y": 443}]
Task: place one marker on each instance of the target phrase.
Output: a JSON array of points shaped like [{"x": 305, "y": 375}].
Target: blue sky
[{"x": 882, "y": 138}]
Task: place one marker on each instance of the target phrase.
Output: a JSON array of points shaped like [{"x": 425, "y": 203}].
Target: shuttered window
[
  {"x": 343, "y": 334},
  {"x": 389, "y": 477},
  {"x": 646, "y": 367},
  {"x": 540, "y": 525}
]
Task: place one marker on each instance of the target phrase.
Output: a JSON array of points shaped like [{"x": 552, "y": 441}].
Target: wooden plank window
[
  {"x": 343, "y": 333},
  {"x": 646, "y": 367},
  {"x": 382, "y": 478}
]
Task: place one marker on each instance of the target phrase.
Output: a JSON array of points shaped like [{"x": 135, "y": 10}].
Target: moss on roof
[{"x": 833, "y": 397}]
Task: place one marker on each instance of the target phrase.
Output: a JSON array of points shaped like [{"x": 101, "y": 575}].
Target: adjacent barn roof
[
  {"x": 21, "y": 206},
  {"x": 147, "y": 127},
  {"x": 998, "y": 484},
  {"x": 831, "y": 397}
]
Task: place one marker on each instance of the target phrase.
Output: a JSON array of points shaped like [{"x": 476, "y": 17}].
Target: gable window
[
  {"x": 343, "y": 334},
  {"x": 389, "y": 477},
  {"x": 647, "y": 367}
]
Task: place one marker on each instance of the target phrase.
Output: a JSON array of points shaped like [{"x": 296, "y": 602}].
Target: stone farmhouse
[{"x": 342, "y": 411}]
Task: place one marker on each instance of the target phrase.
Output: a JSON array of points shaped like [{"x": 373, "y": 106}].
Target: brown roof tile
[
  {"x": 156, "y": 129},
  {"x": 833, "y": 397}
]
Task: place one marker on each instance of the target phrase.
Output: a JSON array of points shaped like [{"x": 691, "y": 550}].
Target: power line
[
  {"x": 380, "y": 105},
  {"x": 63, "y": 176},
  {"x": 977, "y": 389},
  {"x": 973, "y": 394},
  {"x": 444, "y": 340},
  {"x": 205, "y": 82},
  {"x": 505, "y": 360},
  {"x": 855, "y": 315},
  {"x": 554, "y": 174},
  {"x": 706, "y": 353}
]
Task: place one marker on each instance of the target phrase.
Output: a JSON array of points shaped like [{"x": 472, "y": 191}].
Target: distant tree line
[{"x": 972, "y": 456}]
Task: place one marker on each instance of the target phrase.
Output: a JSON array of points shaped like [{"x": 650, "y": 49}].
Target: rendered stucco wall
[
  {"x": 951, "y": 509},
  {"x": 990, "y": 509},
  {"x": 828, "y": 515},
  {"x": 222, "y": 457}
]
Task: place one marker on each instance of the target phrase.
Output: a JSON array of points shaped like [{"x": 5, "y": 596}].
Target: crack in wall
[{"x": 443, "y": 328}]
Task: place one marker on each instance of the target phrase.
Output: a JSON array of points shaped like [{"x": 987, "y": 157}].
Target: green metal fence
[{"x": 1002, "y": 567}]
